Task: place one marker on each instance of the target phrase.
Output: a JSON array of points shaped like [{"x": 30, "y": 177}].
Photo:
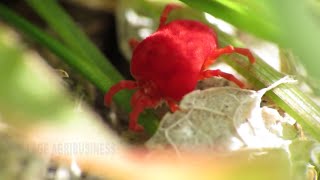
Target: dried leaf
[{"x": 220, "y": 119}]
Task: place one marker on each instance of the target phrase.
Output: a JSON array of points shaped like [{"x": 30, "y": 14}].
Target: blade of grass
[
  {"x": 88, "y": 70},
  {"x": 71, "y": 58},
  {"x": 72, "y": 36},
  {"x": 245, "y": 15},
  {"x": 286, "y": 96}
]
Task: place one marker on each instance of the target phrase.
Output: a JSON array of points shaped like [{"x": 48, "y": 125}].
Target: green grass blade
[
  {"x": 287, "y": 96},
  {"x": 89, "y": 71},
  {"x": 250, "y": 16},
  {"x": 72, "y": 36}
]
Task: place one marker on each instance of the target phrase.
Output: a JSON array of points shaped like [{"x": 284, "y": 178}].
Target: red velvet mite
[{"x": 168, "y": 64}]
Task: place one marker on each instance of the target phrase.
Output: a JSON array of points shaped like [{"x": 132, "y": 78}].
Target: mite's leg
[
  {"x": 124, "y": 84},
  {"x": 209, "y": 73},
  {"x": 165, "y": 12},
  {"x": 133, "y": 118},
  {"x": 133, "y": 43},
  {"x": 172, "y": 105},
  {"x": 139, "y": 102},
  {"x": 227, "y": 50},
  {"x": 135, "y": 98}
]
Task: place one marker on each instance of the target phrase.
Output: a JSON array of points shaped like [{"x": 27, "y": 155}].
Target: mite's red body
[{"x": 168, "y": 64}]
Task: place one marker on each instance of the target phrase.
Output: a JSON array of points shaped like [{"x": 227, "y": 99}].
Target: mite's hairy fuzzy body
[
  {"x": 167, "y": 64},
  {"x": 173, "y": 56}
]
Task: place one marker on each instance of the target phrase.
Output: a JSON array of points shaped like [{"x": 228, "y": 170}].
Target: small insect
[{"x": 169, "y": 63}]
